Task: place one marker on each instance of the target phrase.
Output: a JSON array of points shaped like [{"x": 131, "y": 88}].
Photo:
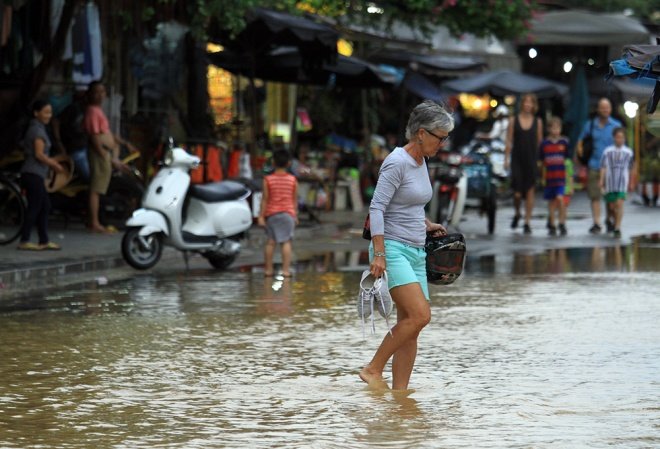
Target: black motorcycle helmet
[{"x": 445, "y": 257}]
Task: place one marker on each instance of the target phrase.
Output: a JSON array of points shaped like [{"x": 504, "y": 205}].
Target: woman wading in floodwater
[{"x": 398, "y": 229}]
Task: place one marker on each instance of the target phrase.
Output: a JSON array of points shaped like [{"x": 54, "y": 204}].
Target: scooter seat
[{"x": 219, "y": 191}]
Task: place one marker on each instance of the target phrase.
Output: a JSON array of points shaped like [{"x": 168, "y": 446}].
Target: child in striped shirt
[
  {"x": 279, "y": 212},
  {"x": 615, "y": 165},
  {"x": 553, "y": 156}
]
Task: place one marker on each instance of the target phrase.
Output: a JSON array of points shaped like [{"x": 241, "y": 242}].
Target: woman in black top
[
  {"x": 36, "y": 144},
  {"x": 523, "y": 139}
]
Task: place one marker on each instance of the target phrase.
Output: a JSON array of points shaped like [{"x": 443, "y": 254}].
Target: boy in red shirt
[
  {"x": 279, "y": 212},
  {"x": 553, "y": 156}
]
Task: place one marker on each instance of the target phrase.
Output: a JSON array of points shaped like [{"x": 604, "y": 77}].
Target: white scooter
[{"x": 208, "y": 219}]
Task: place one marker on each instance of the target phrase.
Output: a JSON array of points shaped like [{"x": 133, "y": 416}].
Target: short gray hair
[{"x": 429, "y": 115}]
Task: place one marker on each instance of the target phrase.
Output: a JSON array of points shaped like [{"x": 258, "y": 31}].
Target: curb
[{"x": 42, "y": 276}]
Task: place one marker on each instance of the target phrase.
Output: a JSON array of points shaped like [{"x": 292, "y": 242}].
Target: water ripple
[{"x": 233, "y": 360}]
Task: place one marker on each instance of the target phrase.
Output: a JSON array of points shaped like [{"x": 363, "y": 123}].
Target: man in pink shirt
[{"x": 103, "y": 152}]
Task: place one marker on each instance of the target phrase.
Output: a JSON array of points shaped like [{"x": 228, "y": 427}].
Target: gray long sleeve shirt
[{"x": 402, "y": 191}]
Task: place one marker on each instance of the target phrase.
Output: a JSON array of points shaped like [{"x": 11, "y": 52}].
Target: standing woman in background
[
  {"x": 521, "y": 155},
  {"x": 36, "y": 144}
]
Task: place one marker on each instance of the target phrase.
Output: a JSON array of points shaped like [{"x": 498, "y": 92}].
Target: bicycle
[{"x": 13, "y": 207}]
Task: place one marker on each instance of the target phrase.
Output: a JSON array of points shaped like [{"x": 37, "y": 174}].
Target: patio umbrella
[
  {"x": 506, "y": 82},
  {"x": 267, "y": 29},
  {"x": 287, "y": 65}
]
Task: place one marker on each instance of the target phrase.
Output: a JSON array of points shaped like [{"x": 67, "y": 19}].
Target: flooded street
[{"x": 522, "y": 352}]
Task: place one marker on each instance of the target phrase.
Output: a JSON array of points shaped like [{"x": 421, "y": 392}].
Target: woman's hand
[
  {"x": 261, "y": 221},
  {"x": 58, "y": 167},
  {"x": 131, "y": 147},
  {"x": 378, "y": 266},
  {"x": 435, "y": 229}
]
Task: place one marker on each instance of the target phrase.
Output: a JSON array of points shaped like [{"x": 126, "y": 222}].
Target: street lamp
[{"x": 630, "y": 108}]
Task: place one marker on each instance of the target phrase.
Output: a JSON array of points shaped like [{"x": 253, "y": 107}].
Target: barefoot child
[
  {"x": 615, "y": 174},
  {"x": 279, "y": 212},
  {"x": 553, "y": 155}
]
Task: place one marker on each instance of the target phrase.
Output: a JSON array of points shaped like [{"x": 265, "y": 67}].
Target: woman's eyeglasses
[{"x": 442, "y": 139}]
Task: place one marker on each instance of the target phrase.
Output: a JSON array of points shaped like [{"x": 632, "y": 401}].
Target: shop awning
[
  {"x": 574, "y": 27},
  {"x": 422, "y": 86},
  {"x": 505, "y": 82},
  {"x": 429, "y": 63}
]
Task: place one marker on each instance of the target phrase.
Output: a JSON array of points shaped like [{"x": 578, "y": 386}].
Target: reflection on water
[{"x": 239, "y": 360}]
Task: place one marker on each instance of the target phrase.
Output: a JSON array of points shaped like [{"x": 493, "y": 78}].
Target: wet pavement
[
  {"x": 531, "y": 353},
  {"x": 88, "y": 256},
  {"x": 542, "y": 342}
]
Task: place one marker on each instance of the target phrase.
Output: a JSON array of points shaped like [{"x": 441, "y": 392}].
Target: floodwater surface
[{"x": 234, "y": 359}]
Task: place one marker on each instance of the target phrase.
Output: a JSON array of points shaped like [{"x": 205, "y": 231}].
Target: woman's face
[
  {"x": 97, "y": 95},
  {"x": 432, "y": 141},
  {"x": 527, "y": 105},
  {"x": 44, "y": 114}
]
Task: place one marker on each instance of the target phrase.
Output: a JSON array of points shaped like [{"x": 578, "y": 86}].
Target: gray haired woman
[{"x": 398, "y": 233}]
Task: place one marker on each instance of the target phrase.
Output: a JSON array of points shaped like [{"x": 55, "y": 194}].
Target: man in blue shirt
[{"x": 603, "y": 125}]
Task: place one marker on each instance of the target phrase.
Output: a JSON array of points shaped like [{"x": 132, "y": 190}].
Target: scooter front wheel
[
  {"x": 221, "y": 262},
  {"x": 141, "y": 252}
]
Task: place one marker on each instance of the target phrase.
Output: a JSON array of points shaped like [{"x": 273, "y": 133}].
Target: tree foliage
[{"x": 501, "y": 18}]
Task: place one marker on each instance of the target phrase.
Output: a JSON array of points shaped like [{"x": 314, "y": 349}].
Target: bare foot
[{"x": 371, "y": 378}]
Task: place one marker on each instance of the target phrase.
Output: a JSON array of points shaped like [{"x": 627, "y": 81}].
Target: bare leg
[
  {"x": 562, "y": 210},
  {"x": 610, "y": 212},
  {"x": 529, "y": 205},
  {"x": 618, "y": 214},
  {"x": 517, "y": 200},
  {"x": 403, "y": 360},
  {"x": 94, "y": 222},
  {"x": 595, "y": 211},
  {"x": 417, "y": 314},
  {"x": 286, "y": 258},
  {"x": 269, "y": 250},
  {"x": 552, "y": 206}
]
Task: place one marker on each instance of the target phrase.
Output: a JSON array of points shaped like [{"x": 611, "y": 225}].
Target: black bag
[
  {"x": 366, "y": 230},
  {"x": 445, "y": 257},
  {"x": 587, "y": 146}
]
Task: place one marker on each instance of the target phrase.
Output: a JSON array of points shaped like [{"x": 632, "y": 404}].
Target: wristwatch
[{"x": 379, "y": 254}]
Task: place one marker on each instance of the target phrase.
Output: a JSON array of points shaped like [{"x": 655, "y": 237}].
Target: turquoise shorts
[{"x": 405, "y": 264}]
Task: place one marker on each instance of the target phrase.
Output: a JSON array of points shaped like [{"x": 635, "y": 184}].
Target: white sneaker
[
  {"x": 365, "y": 304},
  {"x": 382, "y": 296},
  {"x": 374, "y": 292}
]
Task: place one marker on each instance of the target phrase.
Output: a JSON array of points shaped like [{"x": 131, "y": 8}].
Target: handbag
[
  {"x": 366, "y": 229},
  {"x": 587, "y": 146}
]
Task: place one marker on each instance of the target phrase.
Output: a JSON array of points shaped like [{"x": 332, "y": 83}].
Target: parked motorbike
[
  {"x": 208, "y": 219},
  {"x": 482, "y": 183},
  {"x": 449, "y": 188}
]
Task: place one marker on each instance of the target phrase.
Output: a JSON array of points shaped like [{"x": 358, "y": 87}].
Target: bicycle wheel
[{"x": 12, "y": 212}]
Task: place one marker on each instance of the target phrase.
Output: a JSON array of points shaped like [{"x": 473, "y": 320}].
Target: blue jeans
[{"x": 81, "y": 162}]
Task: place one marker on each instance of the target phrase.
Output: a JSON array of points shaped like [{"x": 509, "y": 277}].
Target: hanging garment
[
  {"x": 6, "y": 25},
  {"x": 87, "y": 46}
]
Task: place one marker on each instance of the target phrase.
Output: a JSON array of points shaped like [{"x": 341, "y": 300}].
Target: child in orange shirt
[{"x": 279, "y": 212}]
